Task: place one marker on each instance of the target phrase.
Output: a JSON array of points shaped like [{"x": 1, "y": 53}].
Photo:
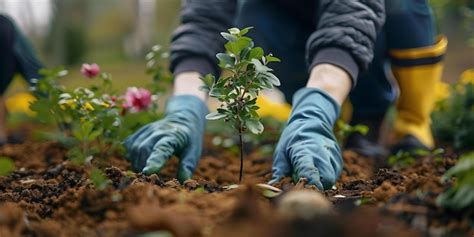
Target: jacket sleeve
[
  {"x": 345, "y": 34},
  {"x": 196, "y": 41}
]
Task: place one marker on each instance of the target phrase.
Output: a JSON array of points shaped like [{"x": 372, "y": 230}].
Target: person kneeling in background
[{"x": 17, "y": 56}]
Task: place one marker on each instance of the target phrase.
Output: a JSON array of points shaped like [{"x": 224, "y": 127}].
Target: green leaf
[
  {"x": 464, "y": 165},
  {"x": 270, "y": 58},
  {"x": 7, "y": 166},
  {"x": 86, "y": 128},
  {"x": 215, "y": 116},
  {"x": 222, "y": 111},
  {"x": 204, "y": 88},
  {"x": 237, "y": 46},
  {"x": 272, "y": 79},
  {"x": 225, "y": 60},
  {"x": 215, "y": 92},
  {"x": 93, "y": 135},
  {"x": 362, "y": 129},
  {"x": 265, "y": 84},
  {"x": 259, "y": 67},
  {"x": 208, "y": 80},
  {"x": 256, "y": 53},
  {"x": 438, "y": 151},
  {"x": 245, "y": 30},
  {"x": 99, "y": 179},
  {"x": 255, "y": 126},
  {"x": 229, "y": 37},
  {"x": 43, "y": 107},
  {"x": 234, "y": 31}
]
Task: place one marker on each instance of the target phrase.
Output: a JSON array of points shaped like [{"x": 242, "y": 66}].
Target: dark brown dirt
[{"x": 49, "y": 196}]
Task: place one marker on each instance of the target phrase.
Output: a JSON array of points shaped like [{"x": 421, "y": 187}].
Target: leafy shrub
[{"x": 453, "y": 118}]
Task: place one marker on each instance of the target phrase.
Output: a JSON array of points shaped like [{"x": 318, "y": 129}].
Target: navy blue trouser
[
  {"x": 16, "y": 55},
  {"x": 409, "y": 24}
]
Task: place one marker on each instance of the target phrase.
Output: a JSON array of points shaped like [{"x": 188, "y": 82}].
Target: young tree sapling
[{"x": 246, "y": 74}]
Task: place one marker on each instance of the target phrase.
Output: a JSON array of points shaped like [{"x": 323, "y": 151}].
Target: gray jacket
[{"x": 345, "y": 33}]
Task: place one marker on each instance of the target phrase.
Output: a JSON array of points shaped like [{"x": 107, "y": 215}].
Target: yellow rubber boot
[{"x": 418, "y": 76}]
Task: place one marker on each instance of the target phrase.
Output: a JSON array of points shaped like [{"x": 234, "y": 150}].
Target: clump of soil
[
  {"x": 385, "y": 191},
  {"x": 49, "y": 196}
]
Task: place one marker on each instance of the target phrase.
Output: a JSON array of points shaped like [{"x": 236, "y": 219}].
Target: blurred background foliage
[{"x": 116, "y": 34}]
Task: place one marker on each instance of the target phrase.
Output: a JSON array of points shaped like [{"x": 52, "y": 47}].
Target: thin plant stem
[{"x": 241, "y": 154}]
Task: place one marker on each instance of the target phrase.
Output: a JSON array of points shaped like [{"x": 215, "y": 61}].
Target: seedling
[
  {"x": 401, "y": 159},
  {"x": 7, "y": 166},
  {"x": 460, "y": 196},
  {"x": 246, "y": 75},
  {"x": 344, "y": 130},
  {"x": 99, "y": 179},
  {"x": 407, "y": 158}
]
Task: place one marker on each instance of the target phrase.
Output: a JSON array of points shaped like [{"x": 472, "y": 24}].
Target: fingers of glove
[
  {"x": 134, "y": 145},
  {"x": 192, "y": 151},
  {"x": 162, "y": 151},
  {"x": 328, "y": 158},
  {"x": 137, "y": 145},
  {"x": 281, "y": 166},
  {"x": 136, "y": 137},
  {"x": 144, "y": 149},
  {"x": 189, "y": 161},
  {"x": 304, "y": 166}
]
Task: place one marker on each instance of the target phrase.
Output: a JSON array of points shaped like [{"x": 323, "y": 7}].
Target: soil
[{"x": 49, "y": 196}]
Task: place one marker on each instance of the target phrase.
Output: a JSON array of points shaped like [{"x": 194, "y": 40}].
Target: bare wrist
[
  {"x": 332, "y": 79},
  {"x": 189, "y": 83}
]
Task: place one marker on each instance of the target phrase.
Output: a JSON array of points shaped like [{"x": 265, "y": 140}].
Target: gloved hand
[
  {"x": 179, "y": 133},
  {"x": 307, "y": 146}
]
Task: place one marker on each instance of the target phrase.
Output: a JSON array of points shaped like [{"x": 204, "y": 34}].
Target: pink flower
[
  {"x": 90, "y": 70},
  {"x": 137, "y": 99}
]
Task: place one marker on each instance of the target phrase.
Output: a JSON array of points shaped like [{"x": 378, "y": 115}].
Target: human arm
[
  {"x": 193, "y": 49},
  {"x": 340, "y": 47}
]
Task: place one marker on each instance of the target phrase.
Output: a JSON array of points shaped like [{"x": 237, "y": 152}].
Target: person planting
[
  {"x": 339, "y": 38},
  {"x": 17, "y": 56}
]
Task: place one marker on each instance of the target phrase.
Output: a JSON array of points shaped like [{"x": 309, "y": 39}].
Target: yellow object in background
[
  {"x": 20, "y": 103},
  {"x": 346, "y": 111},
  {"x": 418, "y": 85},
  {"x": 268, "y": 108},
  {"x": 467, "y": 77},
  {"x": 442, "y": 91}
]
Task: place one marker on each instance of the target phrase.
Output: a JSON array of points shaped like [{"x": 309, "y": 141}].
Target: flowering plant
[
  {"x": 91, "y": 120},
  {"x": 137, "y": 99},
  {"x": 453, "y": 116},
  {"x": 90, "y": 70}
]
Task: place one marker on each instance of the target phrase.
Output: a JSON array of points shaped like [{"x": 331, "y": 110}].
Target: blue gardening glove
[
  {"x": 307, "y": 146},
  {"x": 179, "y": 133}
]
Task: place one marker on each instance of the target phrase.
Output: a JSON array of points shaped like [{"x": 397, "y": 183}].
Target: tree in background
[
  {"x": 462, "y": 10},
  {"x": 143, "y": 28},
  {"x": 67, "y": 39}
]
